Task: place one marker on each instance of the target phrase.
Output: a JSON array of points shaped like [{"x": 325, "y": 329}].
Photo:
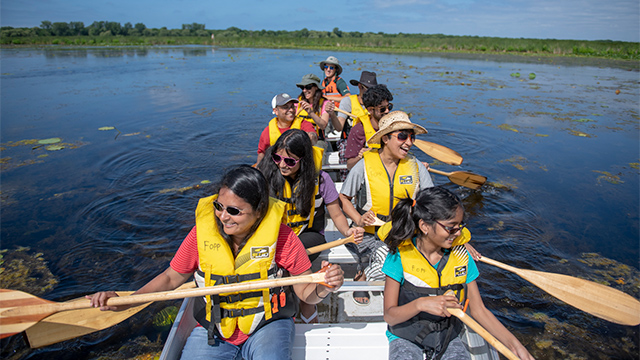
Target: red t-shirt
[
  {"x": 265, "y": 142},
  {"x": 290, "y": 255}
]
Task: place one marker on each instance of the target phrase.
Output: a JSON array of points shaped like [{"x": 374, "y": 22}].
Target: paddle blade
[
  {"x": 596, "y": 299},
  {"x": 439, "y": 152},
  {"x": 467, "y": 179},
  {"x": 66, "y": 325},
  {"x": 14, "y": 324}
]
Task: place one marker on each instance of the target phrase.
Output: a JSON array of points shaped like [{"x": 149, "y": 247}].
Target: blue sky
[{"x": 554, "y": 19}]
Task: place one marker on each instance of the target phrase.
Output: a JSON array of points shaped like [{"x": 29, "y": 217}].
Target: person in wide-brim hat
[
  {"x": 367, "y": 79},
  {"x": 310, "y": 79},
  {"x": 332, "y": 60},
  {"x": 394, "y": 121}
]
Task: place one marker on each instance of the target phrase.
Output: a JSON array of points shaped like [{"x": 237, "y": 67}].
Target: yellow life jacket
[
  {"x": 363, "y": 117},
  {"x": 383, "y": 193},
  {"x": 217, "y": 265},
  {"x": 463, "y": 238},
  {"x": 274, "y": 131},
  {"x": 304, "y": 115},
  {"x": 422, "y": 279},
  {"x": 292, "y": 218}
]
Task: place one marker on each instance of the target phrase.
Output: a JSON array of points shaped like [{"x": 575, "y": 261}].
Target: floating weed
[
  {"x": 614, "y": 179},
  {"x": 497, "y": 227},
  {"x": 515, "y": 75},
  {"x": 579, "y": 133},
  {"x": 583, "y": 120},
  {"x": 4, "y": 160},
  {"x": 165, "y": 318},
  {"x": 532, "y": 76},
  {"x": 518, "y": 166},
  {"x": 507, "y": 127},
  {"x": 132, "y": 134},
  {"x": 180, "y": 190},
  {"x": 596, "y": 114},
  {"x": 635, "y": 165},
  {"x": 54, "y": 147},
  {"x": 542, "y": 135},
  {"x": 107, "y": 128},
  {"x": 502, "y": 185},
  {"x": 205, "y": 182},
  {"x": 23, "y": 271}
]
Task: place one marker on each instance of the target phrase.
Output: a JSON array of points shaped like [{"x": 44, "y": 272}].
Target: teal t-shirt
[{"x": 393, "y": 268}]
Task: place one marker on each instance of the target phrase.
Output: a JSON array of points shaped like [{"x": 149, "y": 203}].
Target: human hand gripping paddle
[
  {"x": 598, "y": 300},
  {"x": 19, "y": 310},
  {"x": 70, "y": 324},
  {"x": 468, "y": 320}
]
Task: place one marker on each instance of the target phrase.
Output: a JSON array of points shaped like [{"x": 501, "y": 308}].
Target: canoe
[{"x": 356, "y": 332}]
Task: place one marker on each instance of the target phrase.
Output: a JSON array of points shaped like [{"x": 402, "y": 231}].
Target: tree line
[{"x": 101, "y": 28}]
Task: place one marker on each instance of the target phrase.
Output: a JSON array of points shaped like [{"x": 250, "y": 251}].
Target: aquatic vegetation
[
  {"x": 24, "y": 271},
  {"x": 49, "y": 141},
  {"x": 516, "y": 161},
  {"x": 54, "y": 147},
  {"x": 578, "y": 133},
  {"x": 611, "y": 273},
  {"x": 497, "y": 227},
  {"x": 607, "y": 176},
  {"x": 515, "y": 75},
  {"x": 165, "y": 318},
  {"x": 180, "y": 190},
  {"x": 635, "y": 165},
  {"x": 502, "y": 185},
  {"x": 532, "y": 76},
  {"x": 542, "y": 135},
  {"x": 140, "y": 348},
  {"x": 507, "y": 127},
  {"x": 106, "y": 128}
]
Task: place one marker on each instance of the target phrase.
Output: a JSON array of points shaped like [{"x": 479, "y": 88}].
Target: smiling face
[
  {"x": 330, "y": 70},
  {"x": 286, "y": 112},
  {"x": 238, "y": 226},
  {"x": 286, "y": 170},
  {"x": 309, "y": 91},
  {"x": 436, "y": 233},
  {"x": 377, "y": 112},
  {"x": 396, "y": 148}
]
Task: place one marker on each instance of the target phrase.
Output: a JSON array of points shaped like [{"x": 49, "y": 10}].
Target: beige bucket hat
[
  {"x": 394, "y": 121},
  {"x": 331, "y": 60}
]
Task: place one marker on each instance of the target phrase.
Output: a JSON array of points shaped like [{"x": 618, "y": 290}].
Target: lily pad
[
  {"x": 515, "y": 75},
  {"x": 106, "y": 128},
  {"x": 54, "y": 147},
  {"x": 507, "y": 127},
  {"x": 49, "y": 141},
  {"x": 532, "y": 76}
]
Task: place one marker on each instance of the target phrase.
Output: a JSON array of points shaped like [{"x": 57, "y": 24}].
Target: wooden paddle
[
  {"x": 439, "y": 152},
  {"x": 468, "y": 320},
  {"x": 463, "y": 178},
  {"x": 19, "y": 310},
  {"x": 346, "y": 113},
  {"x": 596, "y": 299},
  {"x": 329, "y": 245},
  {"x": 66, "y": 325}
]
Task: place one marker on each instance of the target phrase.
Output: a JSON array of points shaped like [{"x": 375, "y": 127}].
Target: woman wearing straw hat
[
  {"x": 386, "y": 174},
  {"x": 334, "y": 86},
  {"x": 312, "y": 107}
]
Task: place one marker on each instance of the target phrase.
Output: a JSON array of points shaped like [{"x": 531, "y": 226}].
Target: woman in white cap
[
  {"x": 334, "y": 86},
  {"x": 387, "y": 174},
  {"x": 315, "y": 109}
]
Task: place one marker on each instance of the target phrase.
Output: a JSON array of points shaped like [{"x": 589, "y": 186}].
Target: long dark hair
[
  {"x": 295, "y": 142},
  {"x": 250, "y": 185},
  {"x": 432, "y": 204},
  {"x": 315, "y": 102}
]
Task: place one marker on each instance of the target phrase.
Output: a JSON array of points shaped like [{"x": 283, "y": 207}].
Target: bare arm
[
  {"x": 435, "y": 305},
  {"x": 167, "y": 280},
  {"x": 315, "y": 293},
  {"x": 341, "y": 222},
  {"x": 482, "y": 315},
  {"x": 260, "y": 156}
]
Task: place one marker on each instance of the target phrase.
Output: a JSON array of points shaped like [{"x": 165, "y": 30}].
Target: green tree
[
  {"x": 337, "y": 32},
  {"x": 60, "y": 29},
  {"x": 126, "y": 29},
  {"x": 140, "y": 27},
  {"x": 46, "y": 25}
]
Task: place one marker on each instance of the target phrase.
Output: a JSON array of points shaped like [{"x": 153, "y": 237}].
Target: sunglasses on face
[
  {"x": 452, "y": 230},
  {"x": 404, "y": 135},
  {"x": 289, "y": 161},
  {"x": 288, "y": 106},
  {"x": 307, "y": 87},
  {"x": 384, "y": 108},
  {"x": 233, "y": 211},
  {"x": 329, "y": 67}
]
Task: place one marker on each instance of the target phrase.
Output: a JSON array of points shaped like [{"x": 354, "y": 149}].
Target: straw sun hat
[{"x": 394, "y": 121}]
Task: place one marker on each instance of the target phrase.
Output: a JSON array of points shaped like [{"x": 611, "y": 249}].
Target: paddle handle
[
  {"x": 502, "y": 266},
  {"x": 329, "y": 245},
  {"x": 484, "y": 333},
  {"x": 439, "y": 172},
  {"x": 346, "y": 113}
]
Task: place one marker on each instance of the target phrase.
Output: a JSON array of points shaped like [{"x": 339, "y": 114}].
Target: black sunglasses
[
  {"x": 289, "y": 161},
  {"x": 306, "y": 87},
  {"x": 233, "y": 211},
  {"x": 384, "y": 108},
  {"x": 452, "y": 230},
  {"x": 404, "y": 135}
]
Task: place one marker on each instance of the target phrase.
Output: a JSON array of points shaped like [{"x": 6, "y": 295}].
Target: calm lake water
[{"x": 108, "y": 211}]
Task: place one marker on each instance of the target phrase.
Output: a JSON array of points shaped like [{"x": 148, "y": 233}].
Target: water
[{"x": 110, "y": 209}]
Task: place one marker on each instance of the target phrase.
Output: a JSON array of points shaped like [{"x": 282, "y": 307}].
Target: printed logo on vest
[
  {"x": 259, "y": 252},
  {"x": 460, "y": 271},
  {"x": 406, "y": 179}
]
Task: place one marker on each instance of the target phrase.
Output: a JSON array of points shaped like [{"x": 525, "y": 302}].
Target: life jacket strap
[
  {"x": 239, "y": 297},
  {"x": 236, "y": 278},
  {"x": 297, "y": 223},
  {"x": 231, "y": 313}
]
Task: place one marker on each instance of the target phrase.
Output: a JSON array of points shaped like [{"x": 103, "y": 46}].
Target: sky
[{"x": 541, "y": 19}]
